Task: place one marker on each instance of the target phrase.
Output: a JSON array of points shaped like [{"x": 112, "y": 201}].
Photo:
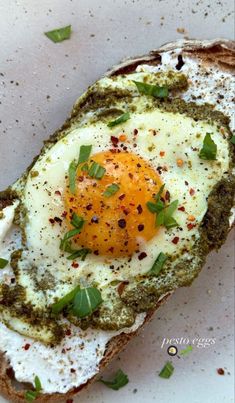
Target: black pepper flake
[
  {"x": 72, "y": 370},
  {"x": 140, "y": 227},
  {"x": 139, "y": 209},
  {"x": 135, "y": 132},
  {"x": 142, "y": 255},
  {"x": 96, "y": 252},
  {"x": 95, "y": 219},
  {"x": 122, "y": 223},
  {"x": 89, "y": 207},
  {"x": 51, "y": 220}
]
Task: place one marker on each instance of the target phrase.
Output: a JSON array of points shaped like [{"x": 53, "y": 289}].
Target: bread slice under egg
[{"x": 219, "y": 53}]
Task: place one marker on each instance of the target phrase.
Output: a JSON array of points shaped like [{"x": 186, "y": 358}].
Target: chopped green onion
[
  {"x": 158, "y": 264},
  {"x": 82, "y": 253},
  {"x": 167, "y": 370},
  {"x": 96, "y": 171},
  {"x": 59, "y": 34},
  {"x": 72, "y": 176},
  {"x": 31, "y": 395},
  {"x": 86, "y": 302},
  {"x": 120, "y": 379},
  {"x": 77, "y": 221},
  {"x": 58, "y": 306},
  {"x": 233, "y": 139},
  {"x": 159, "y": 194},
  {"x": 153, "y": 90},
  {"x": 123, "y": 118},
  {"x": 186, "y": 351},
  {"x": 111, "y": 190},
  {"x": 3, "y": 263},
  {"x": 209, "y": 149},
  {"x": 84, "y": 154}
]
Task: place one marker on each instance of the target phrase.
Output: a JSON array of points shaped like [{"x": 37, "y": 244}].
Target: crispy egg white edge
[{"x": 12, "y": 342}]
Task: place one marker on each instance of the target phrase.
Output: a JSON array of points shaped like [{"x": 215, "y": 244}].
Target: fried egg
[{"x": 151, "y": 156}]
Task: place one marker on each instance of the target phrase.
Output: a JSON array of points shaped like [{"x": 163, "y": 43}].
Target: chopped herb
[
  {"x": 111, "y": 190},
  {"x": 68, "y": 235},
  {"x": 77, "y": 221},
  {"x": 153, "y": 90},
  {"x": 96, "y": 171},
  {"x": 155, "y": 207},
  {"x": 59, "y": 34},
  {"x": 84, "y": 154},
  {"x": 187, "y": 350},
  {"x": 72, "y": 176},
  {"x": 233, "y": 139},
  {"x": 82, "y": 253},
  {"x": 86, "y": 302},
  {"x": 38, "y": 385},
  {"x": 167, "y": 370},
  {"x": 3, "y": 263},
  {"x": 158, "y": 264},
  {"x": 57, "y": 307},
  {"x": 123, "y": 118},
  {"x": 31, "y": 395},
  {"x": 120, "y": 379},
  {"x": 159, "y": 204},
  {"x": 209, "y": 149},
  {"x": 165, "y": 216}
]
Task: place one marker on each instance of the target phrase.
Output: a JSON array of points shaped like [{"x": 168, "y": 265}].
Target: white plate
[{"x": 33, "y": 68}]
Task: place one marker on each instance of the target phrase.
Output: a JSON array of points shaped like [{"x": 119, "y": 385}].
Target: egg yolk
[{"x": 116, "y": 225}]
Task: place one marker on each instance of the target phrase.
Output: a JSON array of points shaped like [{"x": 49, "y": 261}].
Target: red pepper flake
[
  {"x": 162, "y": 153},
  {"x": 140, "y": 227},
  {"x": 57, "y": 192},
  {"x": 51, "y": 220},
  {"x": 75, "y": 265},
  {"x": 121, "y": 197},
  {"x": 220, "y": 371},
  {"x": 68, "y": 332},
  {"x": 130, "y": 175},
  {"x": 121, "y": 287},
  {"x": 167, "y": 195},
  {"x": 96, "y": 252},
  {"x": 64, "y": 214},
  {"x": 63, "y": 351},
  {"x": 142, "y": 255},
  {"x": 89, "y": 207},
  {"x": 69, "y": 401},
  {"x": 126, "y": 211},
  {"x": 135, "y": 132},
  {"x": 190, "y": 226},
  {"x": 175, "y": 240},
  {"x": 181, "y": 208},
  {"x": 111, "y": 249},
  {"x": 139, "y": 209},
  {"x": 114, "y": 141},
  {"x": 58, "y": 219},
  {"x": 191, "y": 192},
  {"x": 26, "y": 347}
]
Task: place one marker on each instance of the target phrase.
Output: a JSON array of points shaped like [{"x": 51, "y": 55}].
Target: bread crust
[{"x": 219, "y": 52}]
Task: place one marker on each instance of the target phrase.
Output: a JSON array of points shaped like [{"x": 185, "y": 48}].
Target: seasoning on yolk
[{"x": 114, "y": 225}]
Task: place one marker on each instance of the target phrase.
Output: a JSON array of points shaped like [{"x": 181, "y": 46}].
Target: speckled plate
[{"x": 40, "y": 81}]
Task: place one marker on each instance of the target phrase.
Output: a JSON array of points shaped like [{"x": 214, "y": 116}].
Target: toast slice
[{"x": 219, "y": 53}]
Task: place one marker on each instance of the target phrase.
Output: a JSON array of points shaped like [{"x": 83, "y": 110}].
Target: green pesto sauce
[{"x": 143, "y": 293}]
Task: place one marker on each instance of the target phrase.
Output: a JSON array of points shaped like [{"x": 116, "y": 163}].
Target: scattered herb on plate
[
  {"x": 59, "y": 34},
  {"x": 120, "y": 379}
]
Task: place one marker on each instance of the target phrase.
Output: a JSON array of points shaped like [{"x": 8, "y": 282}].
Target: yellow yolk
[{"x": 117, "y": 224}]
